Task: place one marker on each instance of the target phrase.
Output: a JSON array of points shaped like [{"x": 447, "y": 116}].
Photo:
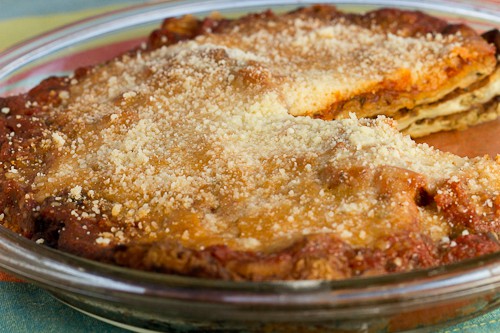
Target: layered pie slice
[{"x": 460, "y": 109}]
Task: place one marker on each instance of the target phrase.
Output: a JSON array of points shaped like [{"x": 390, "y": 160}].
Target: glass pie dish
[{"x": 420, "y": 300}]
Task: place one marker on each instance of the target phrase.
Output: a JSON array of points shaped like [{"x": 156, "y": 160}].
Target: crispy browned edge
[{"x": 321, "y": 256}]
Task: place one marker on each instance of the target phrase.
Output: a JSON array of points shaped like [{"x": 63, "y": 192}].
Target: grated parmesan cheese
[{"x": 200, "y": 140}]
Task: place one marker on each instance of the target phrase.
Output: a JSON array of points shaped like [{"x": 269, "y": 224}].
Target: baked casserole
[{"x": 262, "y": 148}]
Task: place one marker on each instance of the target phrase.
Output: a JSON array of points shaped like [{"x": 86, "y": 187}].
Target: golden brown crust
[
  {"x": 396, "y": 21},
  {"x": 313, "y": 257}
]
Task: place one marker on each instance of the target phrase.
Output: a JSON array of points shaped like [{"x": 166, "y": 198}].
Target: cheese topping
[{"x": 198, "y": 141}]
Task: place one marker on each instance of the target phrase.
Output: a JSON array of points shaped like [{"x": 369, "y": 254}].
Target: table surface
[{"x": 27, "y": 308}]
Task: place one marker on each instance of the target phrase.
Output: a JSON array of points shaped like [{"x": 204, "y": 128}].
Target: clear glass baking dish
[{"x": 416, "y": 301}]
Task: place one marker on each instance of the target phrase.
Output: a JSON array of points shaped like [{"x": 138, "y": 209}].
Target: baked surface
[
  {"x": 329, "y": 63},
  {"x": 193, "y": 156}
]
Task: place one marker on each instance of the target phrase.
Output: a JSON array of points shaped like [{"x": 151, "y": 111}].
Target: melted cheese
[{"x": 198, "y": 141}]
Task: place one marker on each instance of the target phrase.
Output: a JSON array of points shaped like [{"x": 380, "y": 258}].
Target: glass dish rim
[
  {"x": 53, "y": 269},
  {"x": 93, "y": 278}
]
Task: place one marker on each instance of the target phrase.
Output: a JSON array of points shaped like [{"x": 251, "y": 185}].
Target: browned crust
[
  {"x": 404, "y": 23},
  {"x": 25, "y": 125},
  {"x": 493, "y": 37},
  {"x": 313, "y": 257},
  {"x": 321, "y": 256}
]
